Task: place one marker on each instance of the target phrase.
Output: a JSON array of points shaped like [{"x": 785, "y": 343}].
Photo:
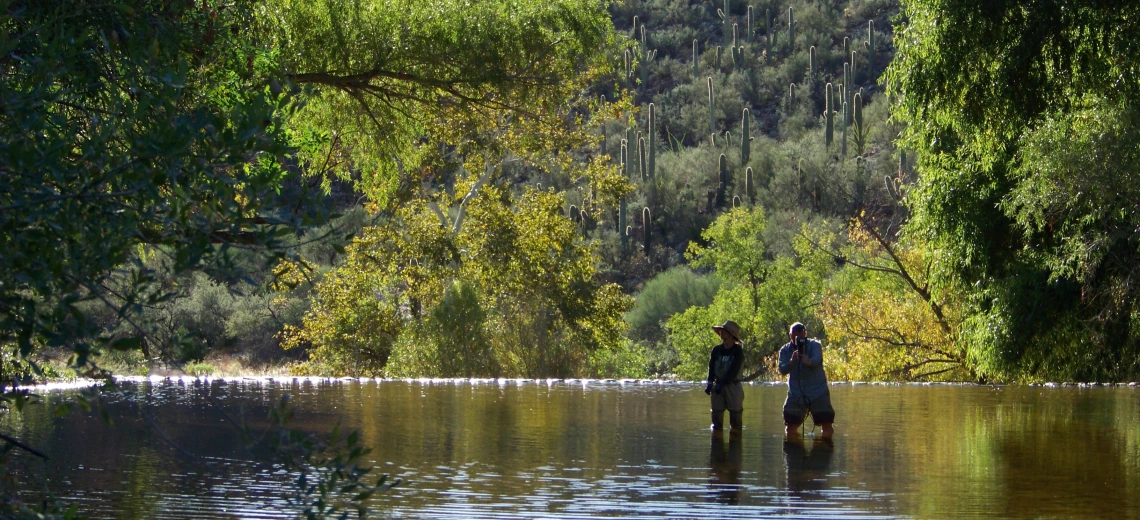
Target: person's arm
[
  {"x": 785, "y": 360},
  {"x": 712, "y": 364},
  {"x": 814, "y": 354}
]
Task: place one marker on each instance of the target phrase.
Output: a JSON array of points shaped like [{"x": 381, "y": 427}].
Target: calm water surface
[{"x": 584, "y": 450}]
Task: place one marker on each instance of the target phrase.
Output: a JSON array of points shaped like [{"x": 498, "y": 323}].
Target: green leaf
[{"x": 128, "y": 343}]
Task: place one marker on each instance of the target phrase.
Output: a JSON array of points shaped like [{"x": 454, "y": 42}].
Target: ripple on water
[{"x": 596, "y": 448}]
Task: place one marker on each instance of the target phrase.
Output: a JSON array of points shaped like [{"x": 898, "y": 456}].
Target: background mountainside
[{"x": 776, "y": 79}]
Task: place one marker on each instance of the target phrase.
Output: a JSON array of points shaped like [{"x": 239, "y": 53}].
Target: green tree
[
  {"x": 884, "y": 319},
  {"x": 763, "y": 293},
  {"x": 125, "y": 124},
  {"x": 516, "y": 276},
  {"x": 1022, "y": 190},
  {"x": 167, "y": 125},
  {"x": 381, "y": 77},
  {"x": 736, "y": 249},
  {"x": 666, "y": 294}
]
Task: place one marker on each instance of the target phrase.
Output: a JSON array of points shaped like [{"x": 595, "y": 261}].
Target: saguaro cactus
[
  {"x": 750, "y": 186},
  {"x": 860, "y": 130},
  {"x": 892, "y": 188},
  {"x": 846, "y": 122},
  {"x": 870, "y": 43},
  {"x": 791, "y": 30},
  {"x": 712, "y": 116},
  {"x": 811, "y": 62},
  {"x": 630, "y": 127},
  {"x": 737, "y": 52},
  {"x": 720, "y": 193},
  {"x": 716, "y": 59},
  {"x": 652, "y": 144},
  {"x": 641, "y": 162},
  {"x": 748, "y": 25},
  {"x": 696, "y": 60},
  {"x": 769, "y": 36},
  {"x": 643, "y": 67},
  {"x": 745, "y": 137},
  {"x": 625, "y": 158},
  {"x": 621, "y": 202},
  {"x": 846, "y": 86},
  {"x": 646, "y": 224},
  {"x": 727, "y": 23},
  {"x": 828, "y": 116}
]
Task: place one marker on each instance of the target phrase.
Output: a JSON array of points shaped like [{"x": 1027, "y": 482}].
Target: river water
[{"x": 586, "y": 449}]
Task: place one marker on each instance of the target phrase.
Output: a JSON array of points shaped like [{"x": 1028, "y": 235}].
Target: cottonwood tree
[{"x": 1027, "y": 151}]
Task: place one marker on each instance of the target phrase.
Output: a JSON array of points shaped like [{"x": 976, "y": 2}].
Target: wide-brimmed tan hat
[{"x": 731, "y": 327}]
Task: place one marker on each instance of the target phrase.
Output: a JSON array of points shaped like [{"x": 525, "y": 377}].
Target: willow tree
[
  {"x": 126, "y": 125},
  {"x": 392, "y": 85},
  {"x": 1027, "y": 144},
  {"x": 429, "y": 101},
  {"x": 134, "y": 127},
  {"x": 512, "y": 292}
]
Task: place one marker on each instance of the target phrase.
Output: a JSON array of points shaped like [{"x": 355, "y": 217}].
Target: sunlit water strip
[{"x": 469, "y": 487}]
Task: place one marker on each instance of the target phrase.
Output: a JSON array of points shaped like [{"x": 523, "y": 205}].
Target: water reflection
[
  {"x": 724, "y": 467},
  {"x": 807, "y": 468},
  {"x": 583, "y": 450}
]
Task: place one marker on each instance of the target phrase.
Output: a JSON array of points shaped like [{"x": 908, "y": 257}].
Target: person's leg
[
  {"x": 793, "y": 415},
  {"x": 718, "y": 405},
  {"x": 736, "y": 419},
  {"x": 822, "y": 411},
  {"x": 718, "y": 419},
  {"x": 734, "y": 402}
]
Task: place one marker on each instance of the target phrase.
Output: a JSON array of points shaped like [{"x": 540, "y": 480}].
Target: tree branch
[{"x": 25, "y": 447}]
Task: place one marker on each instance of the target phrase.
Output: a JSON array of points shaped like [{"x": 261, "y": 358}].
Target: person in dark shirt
[{"x": 724, "y": 386}]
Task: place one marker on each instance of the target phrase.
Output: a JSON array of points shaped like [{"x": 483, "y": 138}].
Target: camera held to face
[{"x": 801, "y": 342}]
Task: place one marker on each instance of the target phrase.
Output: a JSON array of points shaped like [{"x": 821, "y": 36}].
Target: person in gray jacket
[{"x": 801, "y": 359}]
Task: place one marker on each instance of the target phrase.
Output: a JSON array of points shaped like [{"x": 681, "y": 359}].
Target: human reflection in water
[
  {"x": 724, "y": 467},
  {"x": 807, "y": 470}
]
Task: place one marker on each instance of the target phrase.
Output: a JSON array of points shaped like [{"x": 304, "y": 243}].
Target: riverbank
[{"x": 132, "y": 367}]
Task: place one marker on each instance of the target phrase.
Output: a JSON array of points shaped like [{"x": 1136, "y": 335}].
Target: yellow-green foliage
[
  {"x": 881, "y": 327},
  {"x": 199, "y": 369},
  {"x": 512, "y": 292},
  {"x": 380, "y": 75},
  {"x": 763, "y": 295}
]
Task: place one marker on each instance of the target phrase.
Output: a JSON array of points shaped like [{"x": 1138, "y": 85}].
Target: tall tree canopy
[
  {"x": 121, "y": 124},
  {"x": 1024, "y": 114},
  {"x": 384, "y": 76},
  {"x": 175, "y": 126}
]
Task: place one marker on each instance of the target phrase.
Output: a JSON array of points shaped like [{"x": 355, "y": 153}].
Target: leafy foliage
[
  {"x": 126, "y": 124},
  {"x": 665, "y": 295},
  {"x": 995, "y": 164},
  {"x": 384, "y": 76},
  {"x": 881, "y": 326},
  {"x": 511, "y": 292},
  {"x": 764, "y": 295}
]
